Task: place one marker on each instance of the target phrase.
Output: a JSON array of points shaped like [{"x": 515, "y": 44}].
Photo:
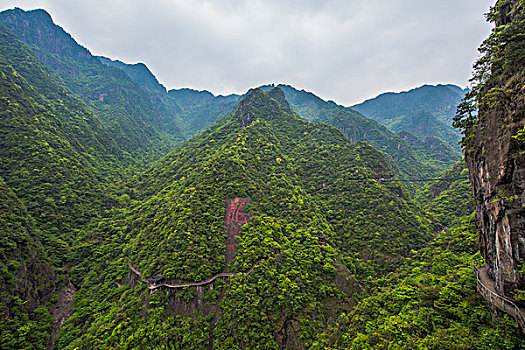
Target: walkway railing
[
  {"x": 504, "y": 304},
  {"x": 154, "y": 286}
]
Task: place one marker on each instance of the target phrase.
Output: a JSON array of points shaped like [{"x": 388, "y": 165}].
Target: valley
[{"x": 137, "y": 217}]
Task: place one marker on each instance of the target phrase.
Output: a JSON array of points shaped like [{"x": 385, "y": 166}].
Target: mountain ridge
[
  {"x": 262, "y": 154},
  {"x": 124, "y": 109},
  {"x": 272, "y": 219},
  {"x": 424, "y": 111}
]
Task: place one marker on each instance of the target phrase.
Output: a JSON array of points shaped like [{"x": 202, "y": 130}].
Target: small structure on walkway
[
  {"x": 153, "y": 280},
  {"x": 321, "y": 238}
]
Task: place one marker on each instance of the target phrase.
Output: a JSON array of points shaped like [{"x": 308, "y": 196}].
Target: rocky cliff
[{"x": 495, "y": 152}]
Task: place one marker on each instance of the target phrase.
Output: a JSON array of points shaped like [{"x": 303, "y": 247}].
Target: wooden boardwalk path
[
  {"x": 486, "y": 288},
  {"x": 192, "y": 284},
  {"x": 153, "y": 286}
]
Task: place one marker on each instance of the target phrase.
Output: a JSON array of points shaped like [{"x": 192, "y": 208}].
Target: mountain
[
  {"x": 196, "y": 110},
  {"x": 138, "y": 72},
  {"x": 263, "y": 197},
  {"x": 280, "y": 223},
  {"x": 28, "y": 278},
  {"x": 449, "y": 199},
  {"x": 59, "y": 170},
  {"x": 201, "y": 109},
  {"x": 193, "y": 111},
  {"x": 140, "y": 127},
  {"x": 431, "y": 302},
  {"x": 54, "y": 154},
  {"x": 424, "y": 111},
  {"x": 408, "y": 156},
  {"x": 143, "y": 118}
]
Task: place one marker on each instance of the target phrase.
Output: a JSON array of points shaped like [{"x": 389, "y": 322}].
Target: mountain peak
[
  {"x": 40, "y": 13},
  {"x": 36, "y": 28},
  {"x": 277, "y": 94},
  {"x": 260, "y": 105},
  {"x": 138, "y": 72}
]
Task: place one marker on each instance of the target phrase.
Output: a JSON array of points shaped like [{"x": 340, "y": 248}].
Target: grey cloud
[{"x": 345, "y": 50}]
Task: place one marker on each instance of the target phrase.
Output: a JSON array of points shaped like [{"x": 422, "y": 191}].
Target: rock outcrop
[
  {"x": 497, "y": 174},
  {"x": 496, "y": 160}
]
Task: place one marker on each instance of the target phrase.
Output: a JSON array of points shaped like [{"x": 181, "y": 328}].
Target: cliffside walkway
[
  {"x": 153, "y": 286},
  {"x": 485, "y": 286}
]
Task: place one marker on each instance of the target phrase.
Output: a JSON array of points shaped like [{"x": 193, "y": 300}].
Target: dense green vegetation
[
  {"x": 201, "y": 109},
  {"x": 424, "y": 111},
  {"x": 336, "y": 255},
  {"x": 192, "y": 111},
  {"x": 445, "y": 201},
  {"x": 498, "y": 74},
  {"x": 298, "y": 287},
  {"x": 176, "y": 228},
  {"x": 492, "y": 121},
  {"x": 54, "y": 153},
  {"x": 139, "y": 125},
  {"x": 430, "y": 302},
  {"x": 408, "y": 156},
  {"x": 27, "y": 278}
]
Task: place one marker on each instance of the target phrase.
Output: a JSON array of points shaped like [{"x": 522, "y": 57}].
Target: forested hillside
[
  {"x": 409, "y": 156},
  {"x": 146, "y": 120},
  {"x": 140, "y": 127},
  {"x": 430, "y": 300},
  {"x": 305, "y": 238},
  {"x": 54, "y": 153},
  {"x": 192, "y": 110},
  {"x": 424, "y": 111},
  {"x": 27, "y": 276},
  {"x": 133, "y": 217}
]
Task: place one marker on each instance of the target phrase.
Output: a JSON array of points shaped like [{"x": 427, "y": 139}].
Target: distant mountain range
[
  {"x": 424, "y": 111},
  {"x": 181, "y": 219},
  {"x": 144, "y": 117}
]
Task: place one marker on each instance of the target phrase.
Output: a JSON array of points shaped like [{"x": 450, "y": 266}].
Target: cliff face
[
  {"x": 497, "y": 174},
  {"x": 496, "y": 157},
  {"x": 37, "y": 28}
]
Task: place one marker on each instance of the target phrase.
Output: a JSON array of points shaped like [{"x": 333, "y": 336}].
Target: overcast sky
[{"x": 343, "y": 50}]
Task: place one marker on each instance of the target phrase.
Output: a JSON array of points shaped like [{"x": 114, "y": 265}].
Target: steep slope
[
  {"x": 201, "y": 109},
  {"x": 424, "y": 111},
  {"x": 140, "y": 127},
  {"x": 191, "y": 110},
  {"x": 430, "y": 303},
  {"x": 138, "y": 72},
  {"x": 27, "y": 278},
  {"x": 54, "y": 153},
  {"x": 262, "y": 197},
  {"x": 446, "y": 201},
  {"x": 170, "y": 113},
  {"x": 431, "y": 300},
  {"x": 310, "y": 106},
  {"x": 407, "y": 155},
  {"x": 495, "y": 147}
]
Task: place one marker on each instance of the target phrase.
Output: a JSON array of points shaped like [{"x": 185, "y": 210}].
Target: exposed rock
[
  {"x": 62, "y": 312},
  {"x": 498, "y": 178},
  {"x": 48, "y": 36},
  {"x": 496, "y": 162}
]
